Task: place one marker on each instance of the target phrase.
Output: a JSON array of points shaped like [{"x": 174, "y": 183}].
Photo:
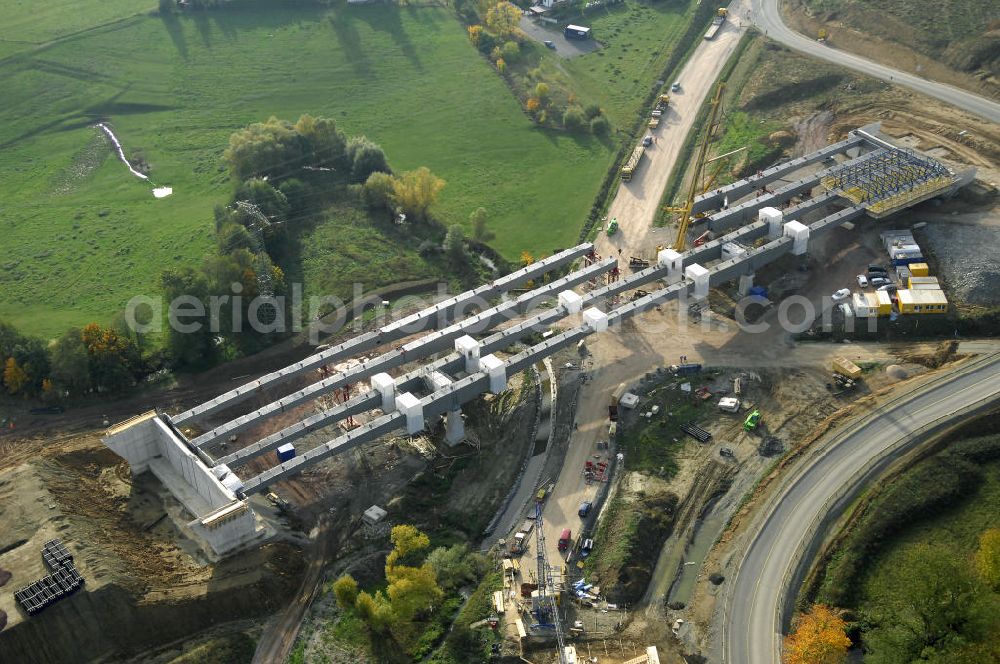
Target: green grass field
[
  {"x": 638, "y": 39},
  {"x": 82, "y": 235}
]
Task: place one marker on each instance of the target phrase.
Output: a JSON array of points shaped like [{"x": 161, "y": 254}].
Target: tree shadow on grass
[
  {"x": 176, "y": 31},
  {"x": 390, "y": 22},
  {"x": 350, "y": 41}
]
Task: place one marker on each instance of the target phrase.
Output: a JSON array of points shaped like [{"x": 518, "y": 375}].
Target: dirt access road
[
  {"x": 635, "y": 206},
  {"x": 279, "y": 634}
]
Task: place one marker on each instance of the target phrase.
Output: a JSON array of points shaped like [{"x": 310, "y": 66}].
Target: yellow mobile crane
[{"x": 685, "y": 210}]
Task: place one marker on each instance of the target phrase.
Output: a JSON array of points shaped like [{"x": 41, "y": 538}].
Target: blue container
[
  {"x": 759, "y": 291},
  {"x": 286, "y": 452}
]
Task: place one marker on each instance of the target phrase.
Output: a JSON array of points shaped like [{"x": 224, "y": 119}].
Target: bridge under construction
[{"x": 471, "y": 344}]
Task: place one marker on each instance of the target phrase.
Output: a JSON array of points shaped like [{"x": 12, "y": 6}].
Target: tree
[
  {"x": 415, "y": 191},
  {"x": 374, "y": 610},
  {"x": 14, "y": 377},
  {"x": 271, "y": 202},
  {"x": 600, "y": 126},
  {"x": 322, "y": 143},
  {"x": 412, "y": 590},
  {"x": 70, "y": 364},
  {"x": 988, "y": 557},
  {"x": 192, "y": 347},
  {"x": 818, "y": 638},
  {"x": 113, "y": 358},
  {"x": 502, "y": 19},
  {"x": 265, "y": 148},
  {"x": 592, "y": 111},
  {"x": 542, "y": 92},
  {"x": 573, "y": 119},
  {"x": 406, "y": 540},
  {"x": 533, "y": 104},
  {"x": 927, "y": 600},
  {"x": 527, "y": 258},
  {"x": 501, "y": 65},
  {"x": 379, "y": 191},
  {"x": 454, "y": 244},
  {"x": 345, "y": 589},
  {"x": 480, "y": 233},
  {"x": 475, "y": 34},
  {"x": 455, "y": 566},
  {"x": 366, "y": 158},
  {"x": 511, "y": 51}
]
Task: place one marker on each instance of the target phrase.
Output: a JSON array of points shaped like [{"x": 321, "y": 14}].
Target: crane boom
[
  {"x": 685, "y": 210},
  {"x": 546, "y": 587}
]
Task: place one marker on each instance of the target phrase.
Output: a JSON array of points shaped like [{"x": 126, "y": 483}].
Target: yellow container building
[
  {"x": 919, "y": 269},
  {"x": 922, "y": 301}
]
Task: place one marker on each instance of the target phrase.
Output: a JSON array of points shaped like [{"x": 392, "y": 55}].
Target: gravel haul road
[{"x": 752, "y": 623}]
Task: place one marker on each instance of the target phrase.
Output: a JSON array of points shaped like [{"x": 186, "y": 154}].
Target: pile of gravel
[{"x": 968, "y": 258}]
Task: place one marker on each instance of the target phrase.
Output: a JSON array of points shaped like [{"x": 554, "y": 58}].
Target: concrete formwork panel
[
  {"x": 799, "y": 233},
  {"x": 571, "y": 301},
  {"x": 410, "y": 407},
  {"x": 385, "y": 385}
]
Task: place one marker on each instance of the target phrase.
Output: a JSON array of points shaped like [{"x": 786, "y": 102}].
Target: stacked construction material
[{"x": 63, "y": 581}]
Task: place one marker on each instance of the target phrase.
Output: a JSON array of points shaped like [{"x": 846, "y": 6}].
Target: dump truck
[
  {"x": 845, "y": 367},
  {"x": 633, "y": 163},
  {"x": 664, "y": 100},
  {"x": 653, "y": 123},
  {"x": 720, "y": 18}
]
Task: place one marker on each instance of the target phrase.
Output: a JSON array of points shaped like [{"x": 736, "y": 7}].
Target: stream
[{"x": 158, "y": 192}]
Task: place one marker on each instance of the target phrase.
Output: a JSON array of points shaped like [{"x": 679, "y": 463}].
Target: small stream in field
[{"x": 158, "y": 192}]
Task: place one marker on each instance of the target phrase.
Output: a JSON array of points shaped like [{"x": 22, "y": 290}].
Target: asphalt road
[
  {"x": 767, "y": 17},
  {"x": 752, "y": 633}
]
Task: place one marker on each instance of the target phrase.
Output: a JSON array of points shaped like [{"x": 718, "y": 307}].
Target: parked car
[
  {"x": 862, "y": 281},
  {"x": 588, "y": 546},
  {"x": 889, "y": 288},
  {"x": 585, "y": 507},
  {"x": 842, "y": 294},
  {"x": 676, "y": 86},
  {"x": 550, "y": 44},
  {"x": 875, "y": 267},
  {"x": 657, "y": 113},
  {"x": 879, "y": 281},
  {"x": 647, "y": 141}
]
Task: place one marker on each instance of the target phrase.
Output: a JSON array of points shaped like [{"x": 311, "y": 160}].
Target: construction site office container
[
  {"x": 906, "y": 249},
  {"x": 865, "y": 305},
  {"x": 922, "y": 280},
  {"x": 925, "y": 286},
  {"x": 884, "y": 303},
  {"x": 919, "y": 269},
  {"x": 907, "y": 259},
  {"x": 922, "y": 301}
]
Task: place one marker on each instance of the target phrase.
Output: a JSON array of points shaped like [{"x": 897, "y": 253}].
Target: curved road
[
  {"x": 767, "y": 16},
  {"x": 753, "y": 625}
]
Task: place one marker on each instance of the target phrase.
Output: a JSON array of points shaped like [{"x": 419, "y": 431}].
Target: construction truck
[
  {"x": 653, "y": 123},
  {"x": 633, "y": 163},
  {"x": 720, "y": 18},
  {"x": 664, "y": 100}
]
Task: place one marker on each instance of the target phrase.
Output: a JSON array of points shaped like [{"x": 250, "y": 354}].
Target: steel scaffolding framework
[{"x": 888, "y": 178}]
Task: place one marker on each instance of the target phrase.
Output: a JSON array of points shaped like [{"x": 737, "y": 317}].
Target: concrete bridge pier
[
  {"x": 746, "y": 283},
  {"x": 454, "y": 427}
]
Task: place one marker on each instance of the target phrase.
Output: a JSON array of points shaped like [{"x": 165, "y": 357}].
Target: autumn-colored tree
[
  {"x": 542, "y": 92},
  {"x": 988, "y": 557},
  {"x": 818, "y": 638},
  {"x": 406, "y": 540},
  {"x": 533, "y": 104},
  {"x": 527, "y": 258},
  {"x": 501, "y": 65},
  {"x": 475, "y": 34},
  {"x": 345, "y": 589},
  {"x": 14, "y": 377},
  {"x": 502, "y": 19},
  {"x": 415, "y": 191}
]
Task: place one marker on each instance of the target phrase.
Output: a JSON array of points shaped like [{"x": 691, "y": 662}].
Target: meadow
[{"x": 82, "y": 235}]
